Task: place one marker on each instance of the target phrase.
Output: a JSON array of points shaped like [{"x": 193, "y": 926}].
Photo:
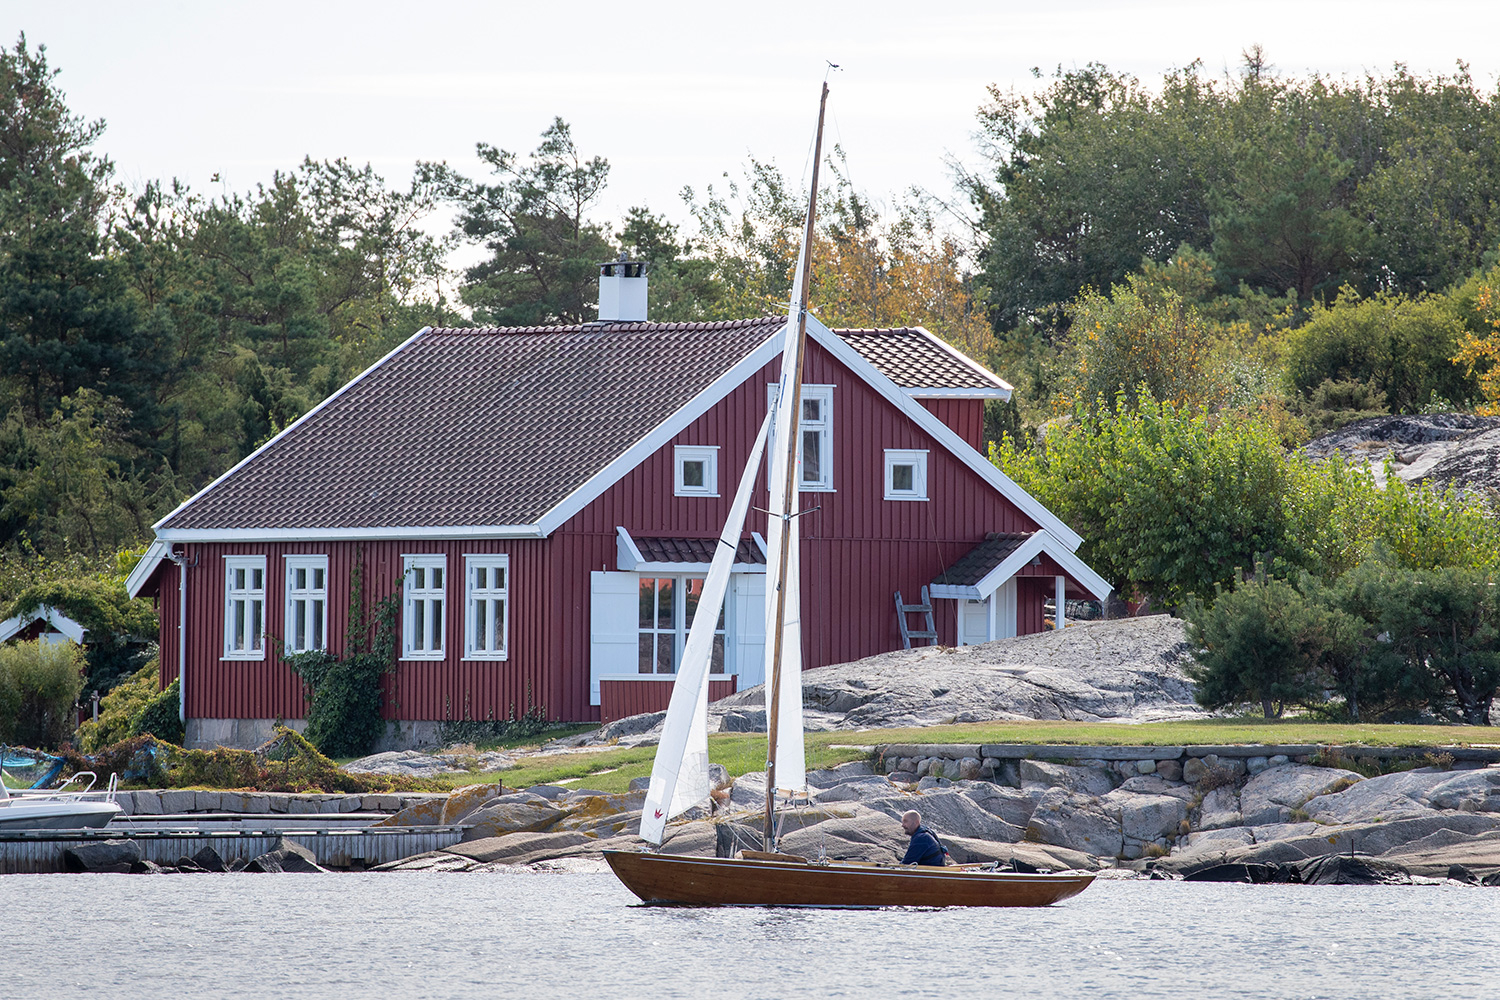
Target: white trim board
[
  {"x": 966, "y": 361},
  {"x": 156, "y": 553},
  {"x": 59, "y": 621},
  {"x": 1040, "y": 542},
  {"x": 943, "y": 434},
  {"x": 393, "y": 533}
]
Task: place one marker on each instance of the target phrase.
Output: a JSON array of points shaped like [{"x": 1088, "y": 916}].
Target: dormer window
[
  {"x": 905, "y": 474},
  {"x": 697, "y": 472},
  {"x": 815, "y": 442}
]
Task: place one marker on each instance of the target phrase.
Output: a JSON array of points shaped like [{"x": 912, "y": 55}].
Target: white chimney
[{"x": 622, "y": 291}]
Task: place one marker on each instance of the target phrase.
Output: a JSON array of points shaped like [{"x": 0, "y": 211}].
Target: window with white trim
[
  {"x": 696, "y": 470},
  {"x": 486, "y": 607},
  {"x": 905, "y": 474},
  {"x": 668, "y": 605},
  {"x": 423, "y": 607},
  {"x": 815, "y": 447},
  {"x": 244, "y": 607},
  {"x": 306, "y": 603}
]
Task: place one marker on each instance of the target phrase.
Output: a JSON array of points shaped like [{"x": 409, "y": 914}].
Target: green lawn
[{"x": 740, "y": 753}]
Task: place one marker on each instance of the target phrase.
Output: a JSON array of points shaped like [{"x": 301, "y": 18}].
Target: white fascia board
[
  {"x": 663, "y": 433},
  {"x": 969, "y": 362},
  {"x": 67, "y": 626},
  {"x": 760, "y": 540},
  {"x": 940, "y": 393},
  {"x": 290, "y": 427},
  {"x": 1038, "y": 543},
  {"x": 691, "y": 568},
  {"x": 949, "y": 592},
  {"x": 155, "y": 553},
  {"x": 392, "y": 533},
  {"x": 943, "y": 434},
  {"x": 627, "y": 554}
]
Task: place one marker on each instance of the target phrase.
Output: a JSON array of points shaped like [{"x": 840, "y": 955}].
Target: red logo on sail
[{"x": 658, "y": 814}]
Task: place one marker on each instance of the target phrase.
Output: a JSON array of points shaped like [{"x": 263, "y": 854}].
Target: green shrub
[
  {"x": 161, "y": 716},
  {"x": 39, "y": 687},
  {"x": 118, "y": 709}
]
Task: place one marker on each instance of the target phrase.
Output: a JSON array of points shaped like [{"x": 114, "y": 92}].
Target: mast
[{"x": 789, "y": 492}]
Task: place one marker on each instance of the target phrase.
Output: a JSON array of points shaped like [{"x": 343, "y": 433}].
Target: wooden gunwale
[{"x": 666, "y": 878}]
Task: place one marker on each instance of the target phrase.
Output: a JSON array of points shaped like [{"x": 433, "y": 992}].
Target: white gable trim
[
  {"x": 287, "y": 430},
  {"x": 153, "y": 557},
  {"x": 939, "y": 393},
  {"x": 1040, "y": 542},
  {"x": 59, "y": 621},
  {"x": 629, "y": 559},
  {"x": 664, "y": 432},
  {"x": 943, "y": 434},
  {"x": 967, "y": 362}
]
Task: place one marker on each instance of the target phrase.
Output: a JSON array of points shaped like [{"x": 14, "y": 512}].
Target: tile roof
[
  {"x": 475, "y": 426},
  {"x": 496, "y": 426},
  {"x": 915, "y": 359},
  {"x": 981, "y": 560},
  {"x": 695, "y": 550}
]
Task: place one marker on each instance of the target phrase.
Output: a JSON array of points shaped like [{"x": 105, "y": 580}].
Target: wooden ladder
[{"x": 925, "y": 608}]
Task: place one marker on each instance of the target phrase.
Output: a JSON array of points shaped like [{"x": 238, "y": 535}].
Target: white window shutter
[
  {"x": 748, "y": 591},
  {"x": 613, "y": 614}
]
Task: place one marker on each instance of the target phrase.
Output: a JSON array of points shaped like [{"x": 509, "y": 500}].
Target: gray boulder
[
  {"x": 1155, "y": 784},
  {"x": 1271, "y": 795},
  {"x": 103, "y": 856},
  {"x": 1401, "y": 795},
  {"x": 743, "y": 721},
  {"x": 1220, "y": 809},
  {"x": 286, "y": 856},
  {"x": 855, "y": 790},
  {"x": 1146, "y": 818},
  {"x": 1012, "y": 805},
  {"x": 860, "y": 835},
  {"x": 952, "y": 812},
  {"x": 209, "y": 860},
  {"x": 1469, "y": 791},
  {"x": 496, "y": 820},
  {"x": 1087, "y": 780},
  {"x": 1076, "y": 821},
  {"x": 521, "y": 848},
  {"x": 829, "y": 777}
]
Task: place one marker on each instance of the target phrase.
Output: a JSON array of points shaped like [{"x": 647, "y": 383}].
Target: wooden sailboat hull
[{"x": 666, "y": 878}]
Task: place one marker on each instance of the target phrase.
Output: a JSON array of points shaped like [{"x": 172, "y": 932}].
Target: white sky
[{"x": 669, "y": 93}]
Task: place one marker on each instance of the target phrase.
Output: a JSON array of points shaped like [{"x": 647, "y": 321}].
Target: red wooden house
[{"x": 545, "y": 501}]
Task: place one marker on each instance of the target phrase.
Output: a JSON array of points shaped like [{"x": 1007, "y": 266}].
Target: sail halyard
[
  {"x": 679, "y": 775},
  {"x": 785, "y": 762}
]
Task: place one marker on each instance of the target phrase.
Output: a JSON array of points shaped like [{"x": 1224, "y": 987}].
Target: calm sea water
[{"x": 528, "y": 934}]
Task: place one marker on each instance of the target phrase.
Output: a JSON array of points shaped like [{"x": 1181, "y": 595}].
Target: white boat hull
[{"x": 55, "y": 814}]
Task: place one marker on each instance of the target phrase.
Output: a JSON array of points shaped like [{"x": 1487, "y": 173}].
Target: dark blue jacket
[{"x": 924, "y": 849}]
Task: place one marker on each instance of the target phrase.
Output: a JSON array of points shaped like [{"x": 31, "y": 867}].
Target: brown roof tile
[
  {"x": 695, "y": 550},
  {"x": 981, "y": 560},
  {"x": 913, "y": 359}
]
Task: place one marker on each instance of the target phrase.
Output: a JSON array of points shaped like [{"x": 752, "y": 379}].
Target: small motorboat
[{"x": 74, "y": 805}]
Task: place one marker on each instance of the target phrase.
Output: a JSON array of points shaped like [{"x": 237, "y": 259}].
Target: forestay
[{"x": 679, "y": 777}]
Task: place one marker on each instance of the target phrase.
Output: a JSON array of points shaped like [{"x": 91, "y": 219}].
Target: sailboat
[{"x": 679, "y": 776}]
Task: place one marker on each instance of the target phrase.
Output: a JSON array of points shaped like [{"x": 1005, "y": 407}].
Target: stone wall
[{"x": 181, "y": 801}]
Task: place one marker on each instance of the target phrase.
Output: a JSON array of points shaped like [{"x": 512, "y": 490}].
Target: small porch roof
[
  {"x": 984, "y": 568},
  {"x": 12, "y": 627},
  {"x": 656, "y": 554}
]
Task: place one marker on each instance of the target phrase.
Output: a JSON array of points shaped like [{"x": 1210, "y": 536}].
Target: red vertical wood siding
[
  {"x": 965, "y": 417},
  {"x": 622, "y": 699}
]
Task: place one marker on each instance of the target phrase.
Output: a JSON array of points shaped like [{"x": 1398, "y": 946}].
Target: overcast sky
[{"x": 669, "y": 93}]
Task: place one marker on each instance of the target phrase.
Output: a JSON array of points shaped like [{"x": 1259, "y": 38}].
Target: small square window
[
  {"x": 697, "y": 470},
  {"x": 905, "y": 474}
]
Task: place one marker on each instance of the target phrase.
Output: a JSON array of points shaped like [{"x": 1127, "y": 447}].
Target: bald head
[{"x": 910, "y": 820}]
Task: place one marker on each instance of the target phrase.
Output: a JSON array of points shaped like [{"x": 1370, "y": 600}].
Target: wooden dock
[{"x": 334, "y": 846}]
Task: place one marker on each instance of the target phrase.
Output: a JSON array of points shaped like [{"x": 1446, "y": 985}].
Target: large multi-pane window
[
  {"x": 486, "y": 607},
  {"x": 244, "y": 607},
  {"x": 423, "y": 607},
  {"x": 306, "y": 603},
  {"x": 668, "y": 605}
]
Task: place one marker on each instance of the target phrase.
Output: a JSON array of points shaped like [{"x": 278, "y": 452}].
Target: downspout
[{"x": 182, "y": 567}]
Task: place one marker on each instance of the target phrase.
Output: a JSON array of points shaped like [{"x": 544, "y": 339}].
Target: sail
[
  {"x": 791, "y": 765},
  {"x": 679, "y": 777}
]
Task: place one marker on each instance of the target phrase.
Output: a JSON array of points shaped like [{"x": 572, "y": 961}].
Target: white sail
[
  {"x": 679, "y": 777},
  {"x": 791, "y": 764}
]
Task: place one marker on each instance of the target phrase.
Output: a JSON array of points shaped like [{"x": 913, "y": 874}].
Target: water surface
[{"x": 533, "y": 934}]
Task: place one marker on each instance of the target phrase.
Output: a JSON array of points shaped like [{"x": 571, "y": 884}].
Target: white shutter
[
  {"x": 973, "y": 623},
  {"x": 748, "y": 591},
  {"x": 613, "y": 610}
]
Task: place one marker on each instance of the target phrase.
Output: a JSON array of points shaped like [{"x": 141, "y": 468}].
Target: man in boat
[{"x": 925, "y": 848}]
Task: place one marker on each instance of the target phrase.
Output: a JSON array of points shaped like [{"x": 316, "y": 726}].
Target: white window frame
[
  {"x": 709, "y": 456},
  {"x": 917, "y": 459},
  {"x": 417, "y": 606},
  {"x": 310, "y": 592},
  {"x": 823, "y": 427},
  {"x": 250, "y": 601},
  {"x": 494, "y": 601},
  {"x": 680, "y": 626}
]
